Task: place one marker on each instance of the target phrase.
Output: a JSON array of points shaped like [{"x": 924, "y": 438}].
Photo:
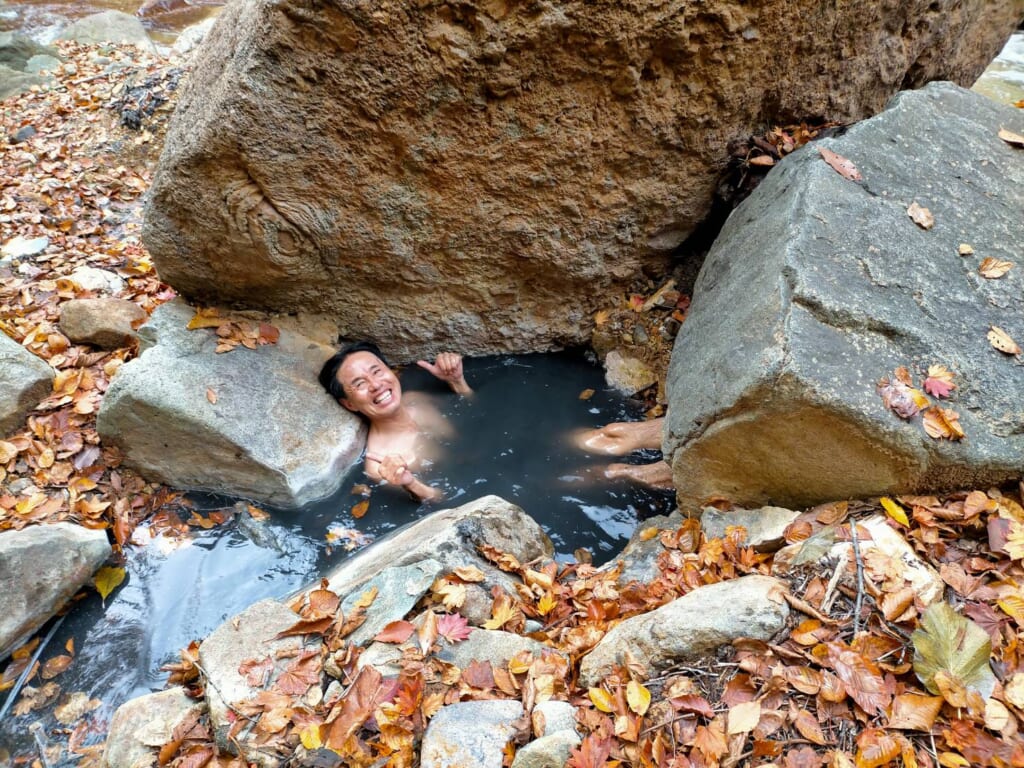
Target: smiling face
[{"x": 370, "y": 386}]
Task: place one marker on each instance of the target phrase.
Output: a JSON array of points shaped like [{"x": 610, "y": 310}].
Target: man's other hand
[{"x": 448, "y": 367}]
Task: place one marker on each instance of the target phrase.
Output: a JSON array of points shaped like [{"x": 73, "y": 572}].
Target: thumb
[{"x": 427, "y": 366}]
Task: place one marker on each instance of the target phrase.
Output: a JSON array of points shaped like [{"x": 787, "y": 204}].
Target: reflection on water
[
  {"x": 43, "y": 19},
  {"x": 510, "y": 441},
  {"x": 1003, "y": 81}
]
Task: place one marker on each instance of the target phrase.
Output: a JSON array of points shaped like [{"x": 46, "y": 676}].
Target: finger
[{"x": 427, "y": 366}]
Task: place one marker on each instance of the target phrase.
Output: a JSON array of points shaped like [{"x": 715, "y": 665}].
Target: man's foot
[
  {"x": 620, "y": 438},
  {"x": 655, "y": 475}
]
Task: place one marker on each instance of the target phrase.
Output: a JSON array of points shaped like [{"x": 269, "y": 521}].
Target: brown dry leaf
[
  {"x": 1002, "y": 341},
  {"x": 965, "y": 249},
  {"x": 921, "y": 216},
  {"x": 1011, "y": 138},
  {"x": 361, "y": 508},
  {"x": 205, "y": 318},
  {"x": 861, "y": 678},
  {"x": 840, "y": 164},
  {"x": 211, "y": 396},
  {"x": 744, "y": 717},
  {"x": 470, "y": 574},
  {"x": 586, "y": 394},
  {"x": 913, "y": 712},
  {"x": 763, "y": 160},
  {"x": 809, "y": 727},
  {"x": 943, "y": 423},
  {"x": 55, "y": 666},
  {"x": 74, "y": 707},
  {"x": 601, "y": 317},
  {"x": 993, "y": 269}
]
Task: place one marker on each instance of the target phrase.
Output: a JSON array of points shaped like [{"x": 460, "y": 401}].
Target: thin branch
[
  {"x": 837, "y": 574},
  {"x": 804, "y": 607},
  {"x": 860, "y": 578}
]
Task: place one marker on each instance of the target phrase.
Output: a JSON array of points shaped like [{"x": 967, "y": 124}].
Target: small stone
[
  {"x": 144, "y": 724},
  {"x": 24, "y": 133},
  {"x": 627, "y": 374},
  {"x": 552, "y": 716},
  {"x": 470, "y": 733},
  {"x": 70, "y": 69},
  {"x": 19, "y": 247},
  {"x": 24, "y": 381},
  {"x": 766, "y": 527},
  {"x": 398, "y": 590},
  {"x": 105, "y": 323},
  {"x": 97, "y": 280},
  {"x": 492, "y": 645},
  {"x": 551, "y": 751}
]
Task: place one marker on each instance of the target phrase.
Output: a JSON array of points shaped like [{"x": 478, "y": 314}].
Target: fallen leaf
[
  {"x": 901, "y": 399},
  {"x": 809, "y": 728},
  {"x": 470, "y": 574},
  {"x": 943, "y": 423},
  {"x": 427, "y": 634},
  {"x": 638, "y": 697},
  {"x": 1014, "y": 139},
  {"x": 1013, "y": 690},
  {"x": 256, "y": 671},
  {"x": 921, "y": 216},
  {"x": 211, "y": 396},
  {"x": 939, "y": 382},
  {"x": 55, "y": 666},
  {"x": 601, "y": 317},
  {"x": 107, "y": 580},
  {"x": 762, "y": 160},
  {"x": 601, "y": 699},
  {"x": 744, "y": 717},
  {"x": 360, "y": 509},
  {"x": 876, "y": 747},
  {"x": 840, "y": 164},
  {"x": 861, "y": 678},
  {"x": 1002, "y": 341},
  {"x": 586, "y": 394},
  {"x": 479, "y": 674},
  {"x": 965, "y": 250},
  {"x": 312, "y": 736},
  {"x": 954, "y": 645},
  {"x": 205, "y": 318},
  {"x": 74, "y": 707},
  {"x": 895, "y": 511},
  {"x": 994, "y": 268},
  {"x": 395, "y": 632},
  {"x": 454, "y": 627},
  {"x": 913, "y": 712}
]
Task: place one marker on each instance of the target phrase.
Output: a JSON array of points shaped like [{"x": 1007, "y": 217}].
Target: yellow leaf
[
  {"x": 649, "y": 533},
  {"x": 638, "y": 697},
  {"x": 602, "y": 699},
  {"x": 994, "y": 268},
  {"x": 311, "y": 737},
  {"x": 107, "y": 580},
  {"x": 1015, "y": 139},
  {"x": 953, "y": 760},
  {"x": 895, "y": 511},
  {"x": 601, "y": 317},
  {"x": 1014, "y": 545},
  {"x": 546, "y": 604},
  {"x": 205, "y": 318},
  {"x": 503, "y": 612},
  {"x": 920, "y": 398},
  {"x": 744, "y": 717},
  {"x": 1013, "y": 606},
  {"x": 1002, "y": 341},
  {"x": 942, "y": 423},
  {"x": 366, "y": 599},
  {"x": 586, "y": 394}
]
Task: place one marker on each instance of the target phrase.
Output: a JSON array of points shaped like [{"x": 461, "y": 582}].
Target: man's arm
[
  {"x": 392, "y": 469},
  {"x": 448, "y": 368}
]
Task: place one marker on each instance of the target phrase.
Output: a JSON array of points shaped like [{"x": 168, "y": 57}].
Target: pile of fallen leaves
[{"x": 863, "y": 675}]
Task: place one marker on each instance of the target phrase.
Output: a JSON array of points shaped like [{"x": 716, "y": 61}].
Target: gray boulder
[
  {"x": 398, "y": 590},
  {"x": 272, "y": 433},
  {"x": 14, "y": 81},
  {"x": 249, "y": 636},
  {"x": 450, "y": 536},
  {"x": 551, "y": 751},
  {"x": 31, "y": 593},
  {"x": 42, "y": 63},
  {"x": 141, "y": 726},
  {"x": 109, "y": 27},
  {"x": 694, "y": 624},
  {"x": 765, "y": 526},
  {"x": 16, "y": 50},
  {"x": 491, "y": 645},
  {"x": 552, "y": 716},
  {"x": 24, "y": 381},
  {"x": 819, "y": 286},
  {"x": 639, "y": 558},
  {"x": 105, "y": 323},
  {"x": 469, "y": 733}
]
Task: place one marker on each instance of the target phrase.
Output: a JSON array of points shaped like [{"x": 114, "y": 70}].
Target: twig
[
  {"x": 837, "y": 574},
  {"x": 28, "y": 670},
  {"x": 860, "y": 578},
  {"x": 804, "y": 607}
]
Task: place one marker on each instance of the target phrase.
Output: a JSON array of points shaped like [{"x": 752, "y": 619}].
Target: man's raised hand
[{"x": 448, "y": 367}]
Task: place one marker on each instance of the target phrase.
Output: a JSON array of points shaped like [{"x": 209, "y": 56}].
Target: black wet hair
[{"x": 329, "y": 372}]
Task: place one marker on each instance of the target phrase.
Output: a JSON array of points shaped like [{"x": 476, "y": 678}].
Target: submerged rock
[
  {"x": 41, "y": 567},
  {"x": 819, "y": 286},
  {"x": 484, "y": 175},
  {"x": 694, "y": 624},
  {"x": 25, "y": 380},
  {"x": 250, "y": 423},
  {"x": 109, "y": 27},
  {"x": 470, "y": 733}
]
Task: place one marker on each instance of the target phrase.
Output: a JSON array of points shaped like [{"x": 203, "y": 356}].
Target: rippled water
[
  {"x": 1004, "y": 79},
  {"x": 511, "y": 440}
]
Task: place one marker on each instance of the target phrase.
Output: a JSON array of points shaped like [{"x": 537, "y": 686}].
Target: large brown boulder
[{"x": 483, "y": 173}]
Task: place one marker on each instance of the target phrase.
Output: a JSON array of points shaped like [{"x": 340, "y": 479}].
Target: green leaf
[
  {"x": 951, "y": 643},
  {"x": 107, "y": 580}
]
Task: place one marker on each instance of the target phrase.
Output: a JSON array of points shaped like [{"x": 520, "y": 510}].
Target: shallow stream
[{"x": 511, "y": 440}]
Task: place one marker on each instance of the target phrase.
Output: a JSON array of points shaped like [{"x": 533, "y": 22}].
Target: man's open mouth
[{"x": 383, "y": 398}]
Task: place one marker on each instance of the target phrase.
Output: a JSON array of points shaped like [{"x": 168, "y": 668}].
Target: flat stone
[
  {"x": 470, "y": 733},
  {"x": 765, "y": 526},
  {"x": 25, "y": 381},
  {"x": 450, "y": 536},
  {"x": 509, "y": 228},
  {"x": 900, "y": 565},
  {"x": 639, "y": 558},
  {"x": 689, "y": 626},
  {"x": 272, "y": 434},
  {"x": 105, "y": 323},
  {"x": 491, "y": 645},
  {"x": 552, "y": 716},
  {"x": 20, "y": 247},
  {"x": 550, "y": 751},
  {"x": 31, "y": 593},
  {"x": 627, "y": 374},
  {"x": 141, "y": 726},
  {"x": 398, "y": 588},
  {"x": 249, "y": 635},
  {"x": 818, "y": 287},
  {"x": 109, "y": 27},
  {"x": 97, "y": 280}
]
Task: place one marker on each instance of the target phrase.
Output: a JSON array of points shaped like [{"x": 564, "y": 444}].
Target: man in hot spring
[{"x": 402, "y": 423}]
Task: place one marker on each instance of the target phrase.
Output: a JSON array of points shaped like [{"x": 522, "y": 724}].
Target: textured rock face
[
  {"x": 24, "y": 381},
  {"x": 818, "y": 287},
  {"x": 142, "y": 726},
  {"x": 106, "y": 323},
  {"x": 484, "y": 172},
  {"x": 252, "y": 423},
  {"x": 32, "y": 593}
]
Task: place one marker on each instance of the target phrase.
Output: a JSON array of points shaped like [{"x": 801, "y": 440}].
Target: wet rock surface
[
  {"x": 24, "y": 381},
  {"x": 229, "y": 423},
  {"x": 819, "y": 286},
  {"x": 506, "y": 166},
  {"x": 31, "y": 593}
]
